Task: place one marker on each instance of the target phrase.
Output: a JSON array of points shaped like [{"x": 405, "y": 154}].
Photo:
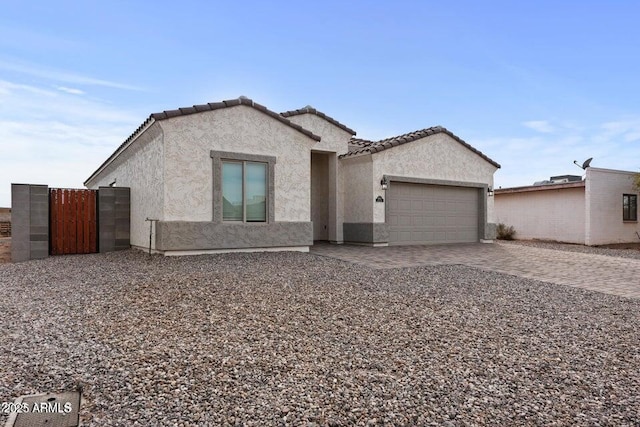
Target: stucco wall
[
  {"x": 332, "y": 137},
  {"x": 434, "y": 157},
  {"x": 604, "y": 190},
  {"x": 320, "y": 196},
  {"x": 139, "y": 167},
  {"x": 557, "y": 215},
  {"x": 334, "y": 140},
  {"x": 359, "y": 199},
  {"x": 188, "y": 165}
]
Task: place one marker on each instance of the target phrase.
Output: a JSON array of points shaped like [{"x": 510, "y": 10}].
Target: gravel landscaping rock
[
  {"x": 5, "y": 249},
  {"x": 619, "y": 253},
  {"x": 296, "y": 339}
]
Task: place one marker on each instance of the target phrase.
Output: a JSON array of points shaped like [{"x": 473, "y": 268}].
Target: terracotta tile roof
[
  {"x": 408, "y": 137},
  {"x": 231, "y": 103},
  {"x": 360, "y": 142},
  {"x": 168, "y": 114},
  {"x": 310, "y": 110}
]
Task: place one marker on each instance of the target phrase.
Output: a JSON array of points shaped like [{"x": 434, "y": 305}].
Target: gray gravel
[
  {"x": 296, "y": 339},
  {"x": 619, "y": 253}
]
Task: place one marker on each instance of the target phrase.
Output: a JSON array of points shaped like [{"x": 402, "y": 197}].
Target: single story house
[
  {"x": 601, "y": 209},
  {"x": 234, "y": 175}
]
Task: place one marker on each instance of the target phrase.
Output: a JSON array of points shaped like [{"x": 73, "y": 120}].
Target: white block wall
[
  {"x": 604, "y": 191},
  {"x": 544, "y": 214}
]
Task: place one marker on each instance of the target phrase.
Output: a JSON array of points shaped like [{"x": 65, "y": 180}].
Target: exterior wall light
[
  {"x": 490, "y": 191},
  {"x": 384, "y": 183}
]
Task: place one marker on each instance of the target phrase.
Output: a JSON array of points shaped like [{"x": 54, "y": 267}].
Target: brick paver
[{"x": 612, "y": 275}]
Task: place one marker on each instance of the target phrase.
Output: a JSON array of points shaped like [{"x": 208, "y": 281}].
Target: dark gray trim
[
  {"x": 191, "y": 235},
  {"x": 218, "y": 157},
  {"x": 365, "y": 232},
  {"x": 483, "y": 193},
  {"x": 485, "y": 231},
  {"x": 430, "y": 181},
  {"x": 490, "y": 231}
]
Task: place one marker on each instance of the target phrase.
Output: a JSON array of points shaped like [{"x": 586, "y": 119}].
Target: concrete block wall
[
  {"x": 30, "y": 222},
  {"x": 546, "y": 213},
  {"x": 604, "y": 191},
  {"x": 113, "y": 218},
  {"x": 114, "y": 209}
]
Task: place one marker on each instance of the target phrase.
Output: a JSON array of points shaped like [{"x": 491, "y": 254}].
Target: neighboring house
[
  {"x": 234, "y": 175},
  {"x": 601, "y": 209}
]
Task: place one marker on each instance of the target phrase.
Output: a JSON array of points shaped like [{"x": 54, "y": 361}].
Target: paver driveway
[{"x": 618, "y": 276}]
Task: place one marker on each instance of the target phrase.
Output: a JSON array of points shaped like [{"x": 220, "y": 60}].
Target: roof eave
[
  {"x": 169, "y": 114},
  {"x": 395, "y": 141},
  {"x": 310, "y": 110},
  {"x": 130, "y": 140}
]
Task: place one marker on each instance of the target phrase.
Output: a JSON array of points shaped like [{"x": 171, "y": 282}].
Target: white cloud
[
  {"x": 70, "y": 90},
  {"x": 62, "y": 76},
  {"x": 627, "y": 130},
  {"x": 55, "y": 137},
  {"x": 540, "y": 126},
  {"x": 612, "y": 145}
]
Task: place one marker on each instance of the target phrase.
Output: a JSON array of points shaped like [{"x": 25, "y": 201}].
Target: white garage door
[{"x": 423, "y": 214}]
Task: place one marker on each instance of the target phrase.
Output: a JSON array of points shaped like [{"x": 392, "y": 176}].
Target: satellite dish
[{"x": 585, "y": 164}]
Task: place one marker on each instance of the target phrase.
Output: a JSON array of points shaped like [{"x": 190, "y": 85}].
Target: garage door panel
[
  {"x": 404, "y": 220},
  {"x": 421, "y": 213},
  {"x": 404, "y": 205}
]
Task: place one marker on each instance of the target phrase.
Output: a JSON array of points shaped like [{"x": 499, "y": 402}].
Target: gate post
[
  {"x": 113, "y": 218},
  {"x": 29, "y": 222}
]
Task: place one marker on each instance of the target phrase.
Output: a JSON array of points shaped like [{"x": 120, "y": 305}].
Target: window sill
[
  {"x": 245, "y": 223},
  {"x": 629, "y": 221}
]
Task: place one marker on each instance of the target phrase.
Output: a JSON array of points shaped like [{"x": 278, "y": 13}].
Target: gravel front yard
[
  {"x": 5, "y": 249},
  {"x": 296, "y": 339}
]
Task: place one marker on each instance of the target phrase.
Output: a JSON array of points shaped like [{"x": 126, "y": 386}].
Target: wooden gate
[{"x": 72, "y": 223}]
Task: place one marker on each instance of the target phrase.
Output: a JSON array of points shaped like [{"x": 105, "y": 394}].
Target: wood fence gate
[{"x": 73, "y": 225}]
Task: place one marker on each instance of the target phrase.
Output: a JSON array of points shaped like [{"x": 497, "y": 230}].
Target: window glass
[
  {"x": 256, "y": 191},
  {"x": 231, "y": 191},
  {"x": 630, "y": 207}
]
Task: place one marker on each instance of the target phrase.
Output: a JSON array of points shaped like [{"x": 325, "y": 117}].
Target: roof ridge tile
[
  {"x": 310, "y": 110},
  {"x": 394, "y": 141}
]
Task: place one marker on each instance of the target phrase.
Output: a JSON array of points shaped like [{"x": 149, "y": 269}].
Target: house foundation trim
[
  {"x": 205, "y": 235},
  {"x": 365, "y": 232}
]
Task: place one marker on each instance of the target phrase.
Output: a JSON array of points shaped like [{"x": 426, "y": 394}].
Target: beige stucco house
[
  {"x": 235, "y": 175},
  {"x": 601, "y": 209}
]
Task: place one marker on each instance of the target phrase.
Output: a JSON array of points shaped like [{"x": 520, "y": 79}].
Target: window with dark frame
[
  {"x": 244, "y": 191},
  {"x": 629, "y": 207}
]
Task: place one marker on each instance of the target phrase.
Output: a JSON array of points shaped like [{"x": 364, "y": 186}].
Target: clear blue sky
[{"x": 534, "y": 85}]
